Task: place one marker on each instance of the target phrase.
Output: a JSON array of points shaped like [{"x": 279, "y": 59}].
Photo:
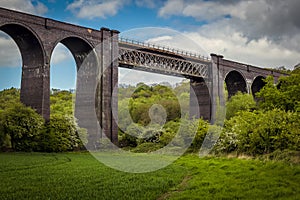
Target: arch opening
[
  {"x": 235, "y": 82},
  {"x": 257, "y": 85},
  {"x": 66, "y": 59}
]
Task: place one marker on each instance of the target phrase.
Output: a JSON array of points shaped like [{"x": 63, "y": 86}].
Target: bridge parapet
[{"x": 168, "y": 49}]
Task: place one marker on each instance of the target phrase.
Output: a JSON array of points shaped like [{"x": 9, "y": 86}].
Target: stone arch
[
  {"x": 79, "y": 47},
  {"x": 257, "y": 85},
  {"x": 35, "y": 73},
  {"x": 235, "y": 82}
]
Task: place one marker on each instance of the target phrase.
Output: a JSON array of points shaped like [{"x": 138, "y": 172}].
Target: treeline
[
  {"x": 269, "y": 125},
  {"x": 22, "y": 129},
  {"x": 152, "y": 116}
]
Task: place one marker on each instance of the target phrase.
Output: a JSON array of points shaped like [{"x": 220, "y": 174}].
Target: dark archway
[
  {"x": 257, "y": 85},
  {"x": 35, "y": 74},
  {"x": 235, "y": 82}
]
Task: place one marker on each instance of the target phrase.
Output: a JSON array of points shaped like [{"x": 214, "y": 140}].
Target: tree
[
  {"x": 61, "y": 102},
  {"x": 284, "y": 95},
  {"x": 9, "y": 96},
  {"x": 239, "y": 102},
  {"x": 62, "y": 134},
  {"x": 261, "y": 132},
  {"x": 23, "y": 125}
]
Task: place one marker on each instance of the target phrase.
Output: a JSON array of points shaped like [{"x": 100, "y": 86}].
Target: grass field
[{"x": 81, "y": 176}]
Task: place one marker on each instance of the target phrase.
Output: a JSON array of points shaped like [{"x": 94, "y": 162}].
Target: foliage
[
  {"x": 261, "y": 132},
  {"x": 9, "y": 96},
  {"x": 239, "y": 102},
  {"x": 62, "y": 134},
  {"x": 22, "y": 129},
  {"x": 150, "y": 107},
  {"x": 202, "y": 129},
  {"x": 61, "y": 102},
  {"x": 23, "y": 125},
  {"x": 284, "y": 95},
  {"x": 139, "y": 99}
]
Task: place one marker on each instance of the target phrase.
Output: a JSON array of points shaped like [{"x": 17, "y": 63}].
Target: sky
[{"x": 264, "y": 33}]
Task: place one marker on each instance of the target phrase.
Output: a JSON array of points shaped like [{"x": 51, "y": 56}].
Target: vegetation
[
  {"x": 22, "y": 129},
  {"x": 271, "y": 125},
  {"x": 81, "y": 176},
  {"x": 151, "y": 116},
  {"x": 266, "y": 133},
  {"x": 153, "y": 127}
]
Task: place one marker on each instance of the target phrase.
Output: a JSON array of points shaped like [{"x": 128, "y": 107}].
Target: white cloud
[
  {"x": 28, "y": 6},
  {"x": 96, "y": 8},
  {"x": 146, "y": 3},
  {"x": 9, "y": 53},
  {"x": 261, "y": 53},
  {"x": 60, "y": 54},
  {"x": 159, "y": 39},
  {"x": 262, "y": 32},
  {"x": 174, "y": 7}
]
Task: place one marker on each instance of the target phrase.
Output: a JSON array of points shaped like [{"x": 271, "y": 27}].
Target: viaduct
[{"x": 36, "y": 38}]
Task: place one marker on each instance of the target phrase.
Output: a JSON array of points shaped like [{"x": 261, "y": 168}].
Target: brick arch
[
  {"x": 79, "y": 47},
  {"x": 235, "y": 82},
  {"x": 35, "y": 74},
  {"x": 257, "y": 85}
]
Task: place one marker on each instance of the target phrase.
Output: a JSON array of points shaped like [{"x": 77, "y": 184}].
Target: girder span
[{"x": 158, "y": 62}]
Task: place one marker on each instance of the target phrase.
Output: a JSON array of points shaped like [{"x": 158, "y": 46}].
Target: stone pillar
[
  {"x": 35, "y": 89},
  {"x": 200, "y": 100},
  {"x": 216, "y": 89},
  {"x": 109, "y": 82},
  {"x": 114, "y": 82}
]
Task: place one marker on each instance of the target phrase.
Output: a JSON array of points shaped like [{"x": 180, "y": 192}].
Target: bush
[
  {"x": 23, "y": 125},
  {"x": 200, "y": 134},
  {"x": 129, "y": 138},
  {"x": 151, "y": 134},
  {"x": 62, "y": 134},
  {"x": 261, "y": 132},
  {"x": 239, "y": 102}
]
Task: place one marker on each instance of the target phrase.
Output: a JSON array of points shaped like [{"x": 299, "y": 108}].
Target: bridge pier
[
  {"x": 200, "y": 99},
  {"x": 109, "y": 82}
]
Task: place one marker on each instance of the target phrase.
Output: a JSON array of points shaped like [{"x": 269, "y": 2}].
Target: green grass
[{"x": 81, "y": 176}]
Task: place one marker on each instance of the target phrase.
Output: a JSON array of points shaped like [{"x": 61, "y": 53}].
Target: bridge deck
[{"x": 158, "y": 60}]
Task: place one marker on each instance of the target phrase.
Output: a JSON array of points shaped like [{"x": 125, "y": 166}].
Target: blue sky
[{"x": 261, "y": 32}]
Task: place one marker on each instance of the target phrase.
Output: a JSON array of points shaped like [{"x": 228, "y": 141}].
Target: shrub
[
  {"x": 239, "y": 102},
  {"x": 262, "y": 132},
  {"x": 151, "y": 134},
  {"x": 23, "y": 125},
  {"x": 62, "y": 134}
]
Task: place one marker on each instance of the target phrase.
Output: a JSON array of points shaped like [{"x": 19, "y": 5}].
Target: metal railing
[{"x": 165, "y": 48}]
